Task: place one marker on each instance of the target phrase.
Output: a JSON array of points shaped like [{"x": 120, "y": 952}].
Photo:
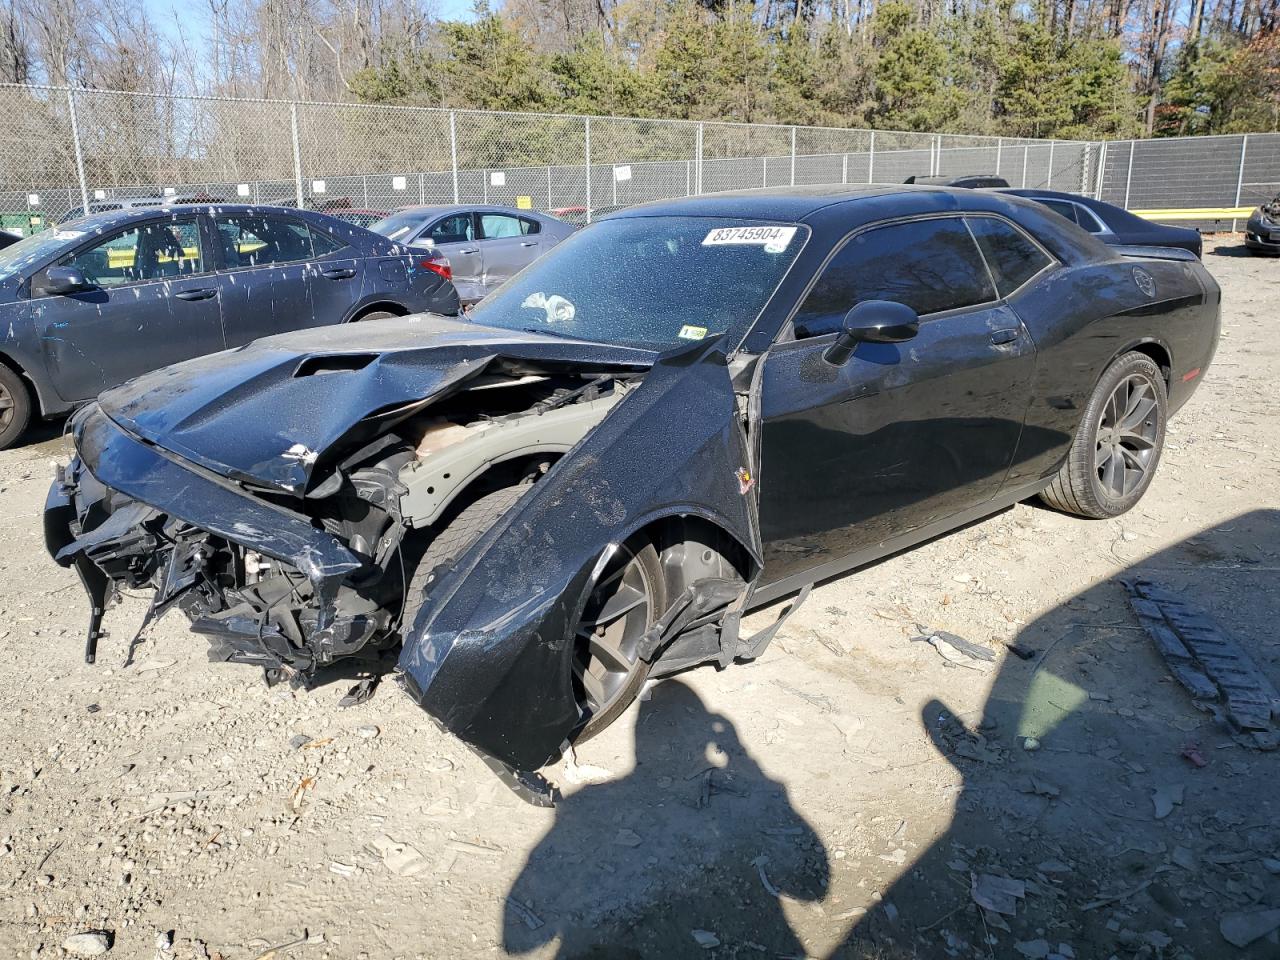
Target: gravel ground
[{"x": 836, "y": 798}]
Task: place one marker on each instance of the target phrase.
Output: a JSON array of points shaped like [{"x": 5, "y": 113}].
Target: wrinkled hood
[{"x": 267, "y": 412}]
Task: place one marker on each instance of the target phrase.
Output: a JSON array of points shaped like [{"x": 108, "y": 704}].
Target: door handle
[
  {"x": 529, "y": 243},
  {"x": 469, "y": 250},
  {"x": 1004, "y": 336},
  {"x": 200, "y": 293},
  {"x": 338, "y": 273}
]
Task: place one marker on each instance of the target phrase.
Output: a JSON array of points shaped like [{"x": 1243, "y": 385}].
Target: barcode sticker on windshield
[{"x": 773, "y": 239}]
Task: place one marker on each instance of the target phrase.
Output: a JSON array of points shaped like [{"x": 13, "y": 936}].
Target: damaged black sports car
[{"x": 683, "y": 412}]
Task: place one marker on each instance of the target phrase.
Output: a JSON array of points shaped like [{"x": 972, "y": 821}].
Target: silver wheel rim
[
  {"x": 6, "y": 407},
  {"x": 1126, "y": 438},
  {"x": 614, "y": 620}
]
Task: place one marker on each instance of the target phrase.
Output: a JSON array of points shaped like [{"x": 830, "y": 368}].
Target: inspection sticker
[
  {"x": 773, "y": 239},
  {"x": 688, "y": 332}
]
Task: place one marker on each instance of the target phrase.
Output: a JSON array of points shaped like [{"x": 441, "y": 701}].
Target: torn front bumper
[{"x": 125, "y": 513}]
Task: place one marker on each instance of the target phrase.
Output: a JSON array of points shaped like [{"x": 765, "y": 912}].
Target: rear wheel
[
  {"x": 624, "y": 601},
  {"x": 375, "y": 315},
  {"x": 1117, "y": 447},
  {"x": 15, "y": 406}
]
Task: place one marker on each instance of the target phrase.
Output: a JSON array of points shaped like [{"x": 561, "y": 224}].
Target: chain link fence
[{"x": 63, "y": 150}]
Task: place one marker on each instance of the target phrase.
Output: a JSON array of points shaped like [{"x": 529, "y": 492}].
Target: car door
[
  {"x": 454, "y": 235},
  {"x": 264, "y": 275},
  {"x": 336, "y": 277},
  {"x": 154, "y": 301},
  {"x": 900, "y": 435},
  {"x": 509, "y": 244}
]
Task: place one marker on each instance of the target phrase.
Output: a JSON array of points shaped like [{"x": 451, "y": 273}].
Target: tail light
[{"x": 438, "y": 265}]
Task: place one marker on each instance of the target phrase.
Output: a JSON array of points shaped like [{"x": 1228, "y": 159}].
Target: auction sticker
[{"x": 773, "y": 239}]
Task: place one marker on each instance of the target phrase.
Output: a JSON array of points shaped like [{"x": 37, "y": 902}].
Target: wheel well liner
[{"x": 388, "y": 306}]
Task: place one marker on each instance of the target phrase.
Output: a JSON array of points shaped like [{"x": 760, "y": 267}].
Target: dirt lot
[{"x": 834, "y": 799}]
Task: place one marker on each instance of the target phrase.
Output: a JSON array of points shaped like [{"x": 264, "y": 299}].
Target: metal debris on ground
[
  {"x": 705, "y": 939},
  {"x": 1206, "y": 661},
  {"x": 997, "y": 894},
  {"x": 527, "y": 916},
  {"x": 957, "y": 650},
  {"x": 759, "y": 863},
  {"x": 1244, "y": 927}
]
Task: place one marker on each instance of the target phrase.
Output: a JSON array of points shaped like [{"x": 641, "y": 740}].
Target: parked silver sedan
[{"x": 485, "y": 244}]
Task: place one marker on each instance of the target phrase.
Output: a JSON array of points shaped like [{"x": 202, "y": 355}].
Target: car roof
[
  {"x": 431, "y": 210},
  {"x": 111, "y": 219},
  {"x": 796, "y": 204}
]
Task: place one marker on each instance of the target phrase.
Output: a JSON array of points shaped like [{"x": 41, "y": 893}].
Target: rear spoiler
[{"x": 1153, "y": 253}]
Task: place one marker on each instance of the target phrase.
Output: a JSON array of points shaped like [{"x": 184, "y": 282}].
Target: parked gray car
[
  {"x": 485, "y": 244},
  {"x": 97, "y": 301}
]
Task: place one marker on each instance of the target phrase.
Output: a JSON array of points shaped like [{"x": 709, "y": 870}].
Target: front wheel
[
  {"x": 623, "y": 602},
  {"x": 1117, "y": 447},
  {"x": 15, "y": 407}
]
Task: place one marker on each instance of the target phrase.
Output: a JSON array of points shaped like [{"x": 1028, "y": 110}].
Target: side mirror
[
  {"x": 873, "y": 321},
  {"x": 63, "y": 280}
]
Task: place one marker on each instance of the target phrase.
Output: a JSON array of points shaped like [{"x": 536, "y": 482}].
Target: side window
[
  {"x": 1062, "y": 208},
  {"x": 529, "y": 226},
  {"x": 1088, "y": 219},
  {"x": 324, "y": 243},
  {"x": 1012, "y": 257},
  {"x": 930, "y": 265},
  {"x": 153, "y": 251},
  {"x": 455, "y": 228},
  {"x": 495, "y": 226},
  {"x": 258, "y": 241}
]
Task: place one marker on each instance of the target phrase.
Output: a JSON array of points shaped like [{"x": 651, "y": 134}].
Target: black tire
[
  {"x": 639, "y": 557},
  {"x": 1117, "y": 446},
  {"x": 459, "y": 533},
  {"x": 15, "y": 407}
]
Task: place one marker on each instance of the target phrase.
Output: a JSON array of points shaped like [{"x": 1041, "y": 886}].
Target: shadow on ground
[{"x": 1074, "y": 821}]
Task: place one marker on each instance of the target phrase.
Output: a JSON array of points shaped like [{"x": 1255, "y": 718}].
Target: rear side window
[
  {"x": 1062, "y": 208},
  {"x": 495, "y": 226},
  {"x": 259, "y": 241},
  {"x": 930, "y": 265},
  {"x": 1013, "y": 258}
]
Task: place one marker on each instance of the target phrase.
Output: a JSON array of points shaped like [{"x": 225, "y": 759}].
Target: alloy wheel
[
  {"x": 1126, "y": 438},
  {"x": 6, "y": 407},
  {"x": 617, "y": 614}
]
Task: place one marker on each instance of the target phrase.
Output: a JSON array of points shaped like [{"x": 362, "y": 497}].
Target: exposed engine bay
[{"x": 386, "y": 501}]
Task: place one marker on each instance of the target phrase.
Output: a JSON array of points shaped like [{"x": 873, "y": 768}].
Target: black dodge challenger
[{"x": 683, "y": 412}]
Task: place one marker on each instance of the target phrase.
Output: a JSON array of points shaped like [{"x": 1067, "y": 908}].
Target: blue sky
[{"x": 195, "y": 19}]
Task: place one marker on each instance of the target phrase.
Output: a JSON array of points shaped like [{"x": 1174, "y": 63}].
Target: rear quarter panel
[{"x": 1083, "y": 316}]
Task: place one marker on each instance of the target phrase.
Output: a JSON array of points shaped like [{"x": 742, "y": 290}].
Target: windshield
[
  {"x": 34, "y": 249},
  {"x": 399, "y": 226},
  {"x": 649, "y": 282}
]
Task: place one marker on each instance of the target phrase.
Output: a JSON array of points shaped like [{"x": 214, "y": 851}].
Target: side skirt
[{"x": 767, "y": 594}]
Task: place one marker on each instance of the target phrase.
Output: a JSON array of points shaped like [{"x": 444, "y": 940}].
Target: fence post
[
  {"x": 453, "y": 151},
  {"x": 586, "y": 128},
  {"x": 793, "y": 156},
  {"x": 75, "y": 140},
  {"x": 937, "y": 153},
  {"x": 1244, "y": 146},
  {"x": 1049, "y": 184},
  {"x": 844, "y": 168},
  {"x": 688, "y": 178},
  {"x": 1102, "y": 171},
  {"x": 871, "y": 159},
  {"x": 698, "y": 162},
  {"x": 1024, "y": 166},
  {"x": 999, "y": 148},
  {"x": 297, "y": 152},
  {"x": 1128, "y": 177},
  {"x": 548, "y": 186}
]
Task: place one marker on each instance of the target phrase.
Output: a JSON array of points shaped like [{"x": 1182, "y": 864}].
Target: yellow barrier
[{"x": 1197, "y": 213}]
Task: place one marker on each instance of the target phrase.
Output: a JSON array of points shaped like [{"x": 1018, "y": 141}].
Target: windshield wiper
[{"x": 549, "y": 333}]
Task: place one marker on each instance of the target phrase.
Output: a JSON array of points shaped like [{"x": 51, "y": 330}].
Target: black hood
[{"x": 268, "y": 411}]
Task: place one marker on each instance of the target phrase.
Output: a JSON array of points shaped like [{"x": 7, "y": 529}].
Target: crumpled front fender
[{"x": 490, "y": 653}]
